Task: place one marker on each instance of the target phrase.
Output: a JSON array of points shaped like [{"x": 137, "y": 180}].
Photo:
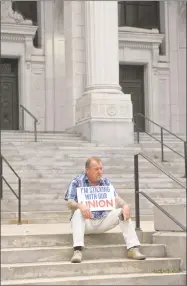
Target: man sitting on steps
[{"x": 84, "y": 221}]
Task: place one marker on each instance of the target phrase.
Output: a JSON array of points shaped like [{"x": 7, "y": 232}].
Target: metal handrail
[
  {"x": 35, "y": 120},
  {"x": 162, "y": 139},
  {"x": 2, "y": 158},
  {"x": 140, "y": 114},
  {"x": 137, "y": 191}
]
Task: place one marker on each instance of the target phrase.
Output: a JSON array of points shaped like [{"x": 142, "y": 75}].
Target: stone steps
[
  {"x": 91, "y": 148},
  {"x": 90, "y": 267},
  {"x": 117, "y": 279},
  {"x": 59, "y": 187},
  {"x": 128, "y": 193},
  {"x": 59, "y": 198},
  {"x": 54, "y": 201},
  {"x": 70, "y": 155},
  {"x": 46, "y": 169},
  {"x": 53, "y": 235},
  {"x": 72, "y": 167},
  {"x": 65, "y": 178},
  {"x": 51, "y": 145},
  {"x": 47, "y": 217},
  {"x": 36, "y": 255},
  {"x": 126, "y": 184},
  {"x": 122, "y": 179},
  {"x": 144, "y": 171},
  {"x": 78, "y": 167},
  {"x": 64, "y": 253},
  {"x": 40, "y": 255},
  {"x": 60, "y": 205}
]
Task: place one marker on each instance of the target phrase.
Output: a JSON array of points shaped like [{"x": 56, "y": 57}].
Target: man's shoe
[
  {"x": 134, "y": 253},
  {"x": 77, "y": 257}
]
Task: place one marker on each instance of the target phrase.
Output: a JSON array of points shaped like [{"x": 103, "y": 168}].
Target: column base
[{"x": 105, "y": 118}]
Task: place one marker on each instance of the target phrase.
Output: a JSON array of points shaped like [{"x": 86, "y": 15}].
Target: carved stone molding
[
  {"x": 37, "y": 70},
  {"x": 155, "y": 71},
  {"x": 28, "y": 65},
  {"x": 135, "y": 46},
  {"x": 111, "y": 110},
  {"x": 103, "y": 109},
  {"x": 131, "y": 38},
  {"x": 9, "y": 16},
  {"x": 135, "y": 36},
  {"x": 12, "y": 38}
]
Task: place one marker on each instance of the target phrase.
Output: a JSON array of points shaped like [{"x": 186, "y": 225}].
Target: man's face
[{"x": 95, "y": 172}]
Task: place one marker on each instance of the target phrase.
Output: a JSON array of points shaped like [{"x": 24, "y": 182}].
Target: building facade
[{"x": 89, "y": 66}]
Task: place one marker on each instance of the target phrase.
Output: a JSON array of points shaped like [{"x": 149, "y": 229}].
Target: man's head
[{"x": 94, "y": 169}]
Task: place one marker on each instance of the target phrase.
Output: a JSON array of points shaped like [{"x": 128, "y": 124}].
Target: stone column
[
  {"x": 103, "y": 113},
  {"x": 173, "y": 32}
]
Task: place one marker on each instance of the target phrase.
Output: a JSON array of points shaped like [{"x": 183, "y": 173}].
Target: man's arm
[
  {"x": 71, "y": 198},
  {"x": 73, "y": 205},
  {"x": 120, "y": 203},
  {"x": 125, "y": 210}
]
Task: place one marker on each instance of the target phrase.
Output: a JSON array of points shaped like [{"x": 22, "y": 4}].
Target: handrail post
[
  {"x": 138, "y": 135},
  {"x": 138, "y": 132},
  {"x": 162, "y": 146},
  {"x": 19, "y": 201},
  {"x": 23, "y": 109},
  {"x": 22, "y": 118},
  {"x": 1, "y": 177},
  {"x": 137, "y": 199},
  {"x": 35, "y": 132},
  {"x": 185, "y": 160}
]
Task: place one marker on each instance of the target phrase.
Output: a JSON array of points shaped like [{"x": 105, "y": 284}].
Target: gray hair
[{"x": 90, "y": 160}]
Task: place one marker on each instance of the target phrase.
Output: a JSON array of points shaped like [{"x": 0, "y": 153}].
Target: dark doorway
[
  {"x": 9, "y": 94},
  {"x": 131, "y": 79}
]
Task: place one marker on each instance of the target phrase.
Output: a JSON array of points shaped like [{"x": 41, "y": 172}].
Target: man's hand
[
  {"x": 86, "y": 213},
  {"x": 126, "y": 212}
]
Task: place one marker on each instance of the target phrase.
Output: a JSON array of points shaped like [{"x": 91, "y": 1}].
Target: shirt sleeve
[{"x": 71, "y": 193}]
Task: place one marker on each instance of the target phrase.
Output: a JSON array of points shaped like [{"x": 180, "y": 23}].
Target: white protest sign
[{"x": 97, "y": 198}]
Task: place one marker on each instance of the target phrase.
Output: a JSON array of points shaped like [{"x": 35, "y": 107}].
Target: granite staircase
[
  {"x": 40, "y": 255},
  {"x": 47, "y": 166},
  {"x": 38, "y": 252}
]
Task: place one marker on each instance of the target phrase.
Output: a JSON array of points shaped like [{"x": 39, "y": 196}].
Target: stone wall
[
  {"x": 52, "y": 78},
  {"x": 182, "y": 66},
  {"x": 177, "y": 62}
]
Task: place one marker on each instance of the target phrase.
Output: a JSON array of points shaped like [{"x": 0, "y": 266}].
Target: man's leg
[
  {"x": 129, "y": 233},
  {"x": 131, "y": 239},
  {"x": 78, "y": 229},
  {"x": 79, "y": 224}
]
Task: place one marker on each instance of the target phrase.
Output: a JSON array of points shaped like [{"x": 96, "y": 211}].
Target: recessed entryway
[
  {"x": 131, "y": 79},
  {"x": 9, "y": 94}
]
